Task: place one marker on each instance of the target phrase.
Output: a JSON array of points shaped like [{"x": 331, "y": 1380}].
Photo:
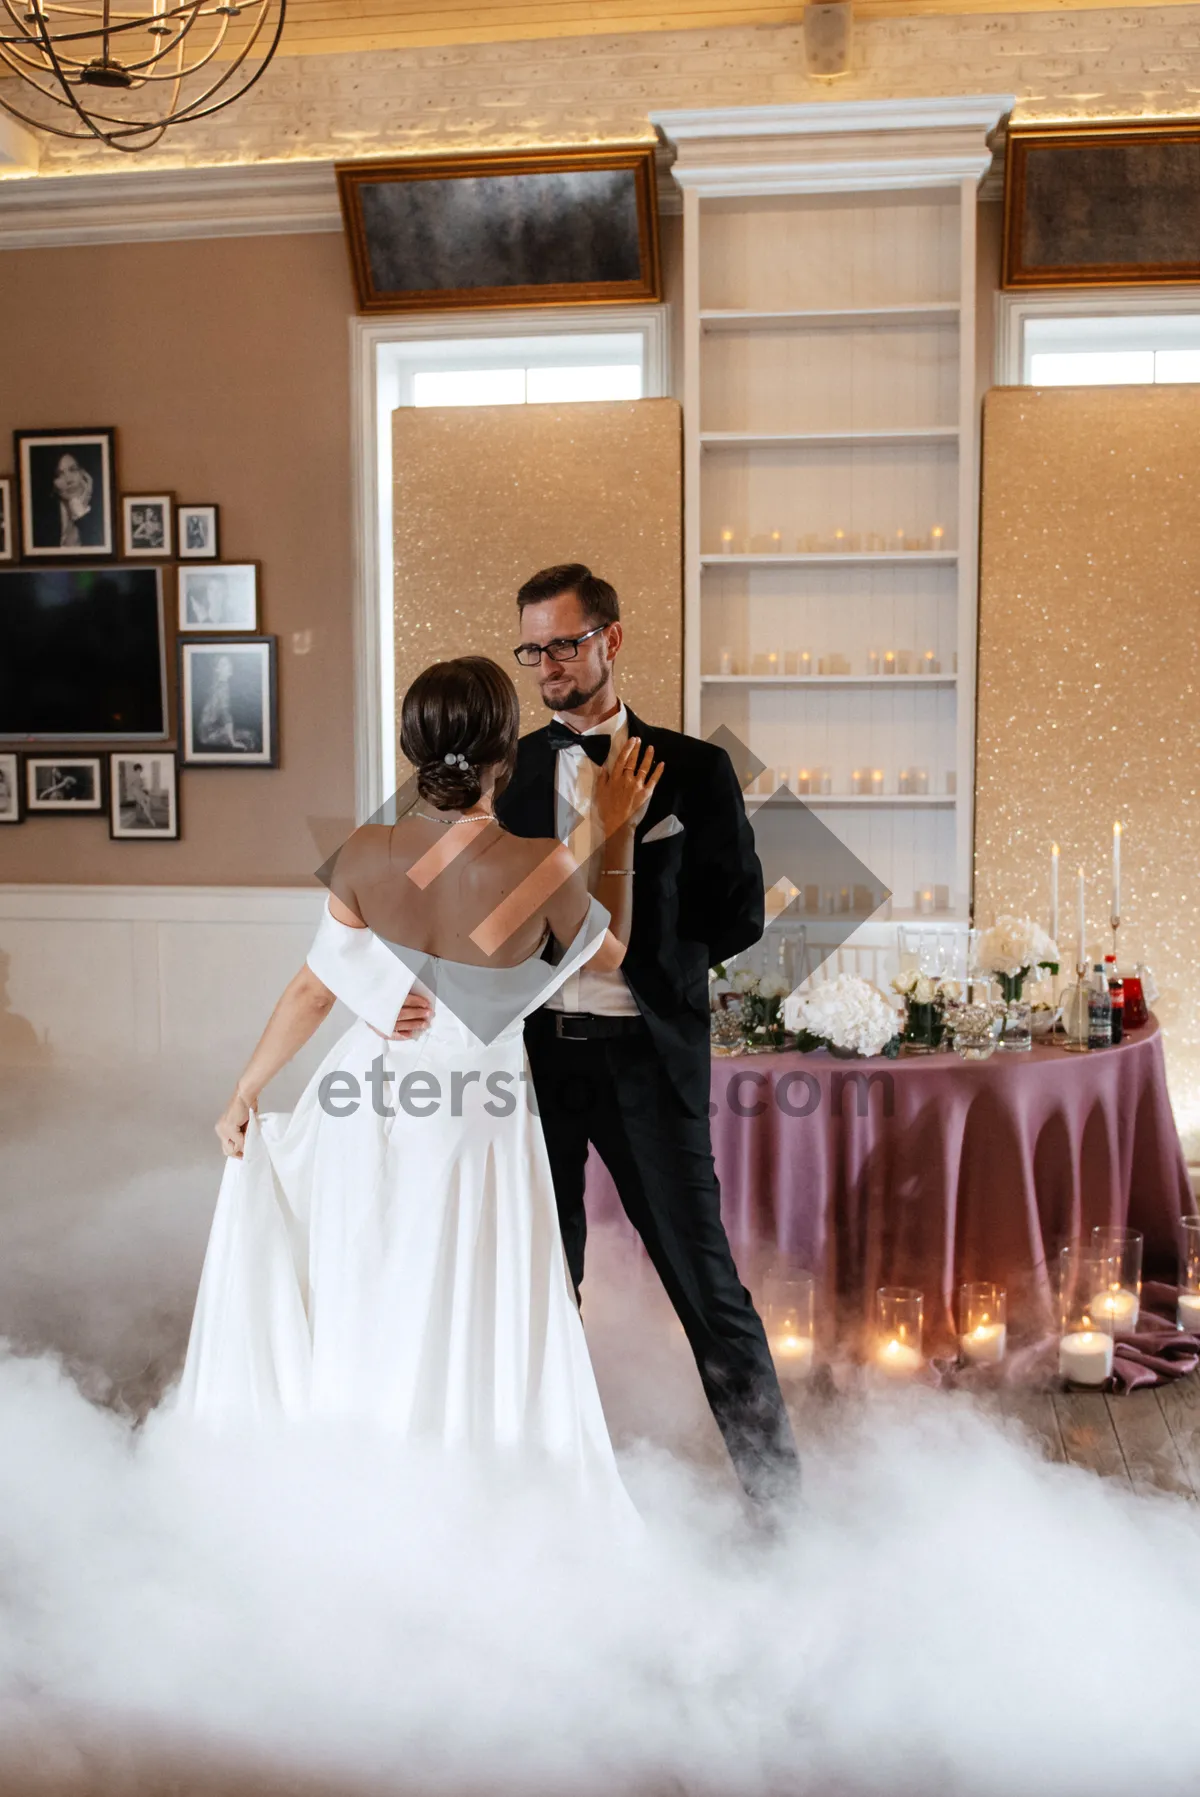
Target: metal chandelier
[{"x": 123, "y": 76}]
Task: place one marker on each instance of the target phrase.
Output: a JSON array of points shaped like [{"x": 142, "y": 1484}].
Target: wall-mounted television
[{"x": 82, "y": 654}]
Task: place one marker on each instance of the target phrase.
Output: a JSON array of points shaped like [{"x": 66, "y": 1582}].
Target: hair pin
[{"x": 462, "y": 761}]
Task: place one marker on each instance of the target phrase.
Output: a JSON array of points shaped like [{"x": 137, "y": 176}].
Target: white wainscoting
[{"x": 120, "y": 973}]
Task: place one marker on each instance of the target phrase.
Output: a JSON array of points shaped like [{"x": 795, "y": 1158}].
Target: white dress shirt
[{"x": 602, "y": 994}]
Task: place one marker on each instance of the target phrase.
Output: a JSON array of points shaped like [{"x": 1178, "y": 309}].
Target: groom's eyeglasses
[{"x": 563, "y": 648}]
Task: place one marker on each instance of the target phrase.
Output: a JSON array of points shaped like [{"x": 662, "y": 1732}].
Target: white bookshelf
[{"x": 829, "y": 386}]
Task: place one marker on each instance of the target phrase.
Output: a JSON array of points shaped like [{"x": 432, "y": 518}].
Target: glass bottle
[
  {"x": 1116, "y": 994},
  {"x": 1136, "y": 1014},
  {"x": 1099, "y": 1010}
]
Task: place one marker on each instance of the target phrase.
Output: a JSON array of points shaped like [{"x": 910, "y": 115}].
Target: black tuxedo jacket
[{"x": 697, "y": 894}]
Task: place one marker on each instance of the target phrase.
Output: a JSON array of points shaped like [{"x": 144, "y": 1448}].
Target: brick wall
[{"x": 1059, "y": 64}]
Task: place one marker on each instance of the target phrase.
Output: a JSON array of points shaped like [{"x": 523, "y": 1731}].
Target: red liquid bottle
[
  {"x": 1116, "y": 993},
  {"x": 1136, "y": 1014}
]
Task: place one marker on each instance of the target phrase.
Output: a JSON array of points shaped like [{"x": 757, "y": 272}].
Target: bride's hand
[
  {"x": 231, "y": 1126},
  {"x": 623, "y": 791}
]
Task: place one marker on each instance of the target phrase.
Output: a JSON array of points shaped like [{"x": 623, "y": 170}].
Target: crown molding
[
  {"x": 833, "y": 146},
  {"x": 260, "y": 199},
  {"x": 163, "y": 205}
]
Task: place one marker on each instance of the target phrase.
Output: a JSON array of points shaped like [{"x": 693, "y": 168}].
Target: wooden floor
[{"x": 1146, "y": 1439}]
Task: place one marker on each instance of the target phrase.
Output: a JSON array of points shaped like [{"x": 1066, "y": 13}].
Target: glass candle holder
[
  {"x": 899, "y": 1321},
  {"x": 860, "y": 780},
  {"x": 982, "y": 1323},
  {"x": 930, "y": 663},
  {"x": 822, "y": 780},
  {"x": 1122, "y": 1301},
  {"x": 788, "y": 1314},
  {"x": 1085, "y": 1348},
  {"x": 874, "y": 661},
  {"x": 774, "y": 663},
  {"x": 937, "y": 536},
  {"x": 1075, "y": 1014},
  {"x": 876, "y": 780},
  {"x": 725, "y": 662},
  {"x": 889, "y": 661},
  {"x": 1188, "y": 1313},
  {"x": 803, "y": 779}
]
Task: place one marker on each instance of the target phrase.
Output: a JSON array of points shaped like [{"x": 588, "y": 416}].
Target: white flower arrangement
[
  {"x": 1015, "y": 946},
  {"x": 925, "y": 988},
  {"x": 847, "y": 1013}
]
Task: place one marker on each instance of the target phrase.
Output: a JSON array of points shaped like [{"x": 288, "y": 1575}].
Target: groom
[{"x": 621, "y": 1060}]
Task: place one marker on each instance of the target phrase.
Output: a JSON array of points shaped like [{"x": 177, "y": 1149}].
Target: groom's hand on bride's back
[{"x": 413, "y": 1017}]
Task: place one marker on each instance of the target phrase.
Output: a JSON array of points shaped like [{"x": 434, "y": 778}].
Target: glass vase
[
  {"x": 924, "y": 1027},
  {"x": 1122, "y": 1302},
  {"x": 1188, "y": 1312},
  {"x": 1017, "y": 1034},
  {"x": 788, "y": 1316}
]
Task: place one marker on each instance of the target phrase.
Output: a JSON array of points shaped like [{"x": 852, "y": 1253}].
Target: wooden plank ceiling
[{"x": 326, "y": 27}]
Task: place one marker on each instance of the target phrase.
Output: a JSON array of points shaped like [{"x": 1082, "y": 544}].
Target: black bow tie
[{"x": 560, "y": 736}]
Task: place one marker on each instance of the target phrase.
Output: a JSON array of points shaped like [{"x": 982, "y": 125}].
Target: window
[
  {"x": 1078, "y": 350},
  {"x": 540, "y": 358}
]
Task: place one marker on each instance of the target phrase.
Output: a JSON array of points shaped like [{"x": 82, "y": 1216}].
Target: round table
[{"x": 928, "y": 1171}]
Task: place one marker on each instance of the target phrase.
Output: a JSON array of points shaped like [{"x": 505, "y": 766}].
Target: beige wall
[{"x": 224, "y": 366}]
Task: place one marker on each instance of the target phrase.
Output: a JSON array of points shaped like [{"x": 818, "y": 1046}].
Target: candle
[
  {"x": 889, "y": 661},
  {"x": 803, "y": 780},
  {"x": 1188, "y": 1312},
  {"x": 1054, "y": 892},
  {"x": 872, "y": 661},
  {"x": 1081, "y": 927},
  {"x": 925, "y": 901},
  {"x": 726, "y": 541},
  {"x": 839, "y": 539},
  {"x": 796, "y": 1353},
  {"x": 984, "y": 1344},
  {"x": 806, "y": 667},
  {"x": 772, "y": 662},
  {"x": 937, "y": 536},
  {"x": 726, "y": 661},
  {"x": 1116, "y": 896},
  {"x": 1086, "y": 1357},
  {"x": 1117, "y": 1305},
  {"x": 897, "y": 1357},
  {"x": 877, "y": 780},
  {"x": 929, "y": 663}
]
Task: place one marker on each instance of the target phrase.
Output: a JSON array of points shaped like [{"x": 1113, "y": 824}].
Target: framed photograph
[
  {"x": 147, "y": 526},
  {"x": 517, "y": 228},
  {"x": 82, "y": 654},
  {"x": 143, "y": 797},
  {"x": 11, "y": 811},
  {"x": 1102, "y": 205},
  {"x": 227, "y": 702},
  {"x": 64, "y": 783},
  {"x": 6, "y": 519},
  {"x": 67, "y": 495},
  {"x": 197, "y": 526},
  {"x": 220, "y": 597}
]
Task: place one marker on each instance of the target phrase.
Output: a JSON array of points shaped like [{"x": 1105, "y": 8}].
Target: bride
[{"x": 389, "y": 1252}]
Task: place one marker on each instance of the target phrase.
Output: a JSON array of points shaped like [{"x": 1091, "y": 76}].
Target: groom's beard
[{"x": 574, "y": 697}]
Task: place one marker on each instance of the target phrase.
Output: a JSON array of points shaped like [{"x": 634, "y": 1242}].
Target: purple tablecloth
[{"x": 928, "y": 1171}]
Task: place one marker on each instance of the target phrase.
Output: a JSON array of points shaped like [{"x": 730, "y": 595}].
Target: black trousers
[{"x": 615, "y": 1094}]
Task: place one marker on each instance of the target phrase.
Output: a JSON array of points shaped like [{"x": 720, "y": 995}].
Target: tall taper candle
[
  {"x": 1081, "y": 945},
  {"x": 1054, "y": 891},
  {"x": 1116, "y": 899}
]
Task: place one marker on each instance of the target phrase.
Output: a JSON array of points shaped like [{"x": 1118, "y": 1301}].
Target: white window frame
[
  {"x": 367, "y": 338},
  {"x": 1014, "y": 310}
]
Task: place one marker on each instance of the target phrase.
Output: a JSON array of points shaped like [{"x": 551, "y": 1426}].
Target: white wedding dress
[{"x": 406, "y": 1271}]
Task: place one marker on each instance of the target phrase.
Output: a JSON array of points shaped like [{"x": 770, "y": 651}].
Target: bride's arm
[
  {"x": 621, "y": 797},
  {"x": 304, "y": 1006}
]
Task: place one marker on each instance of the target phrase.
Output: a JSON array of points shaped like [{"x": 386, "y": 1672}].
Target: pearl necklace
[{"x": 448, "y": 823}]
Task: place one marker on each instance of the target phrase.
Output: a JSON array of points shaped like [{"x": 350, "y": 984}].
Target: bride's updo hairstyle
[{"x": 458, "y": 718}]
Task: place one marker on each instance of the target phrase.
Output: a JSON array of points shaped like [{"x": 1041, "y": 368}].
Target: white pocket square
[{"x": 667, "y": 826}]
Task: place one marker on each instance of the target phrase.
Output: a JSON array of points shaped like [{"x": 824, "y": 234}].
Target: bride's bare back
[{"x": 467, "y": 892}]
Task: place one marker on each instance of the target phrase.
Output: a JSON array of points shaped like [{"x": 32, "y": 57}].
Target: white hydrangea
[
  {"x": 1015, "y": 945},
  {"x": 847, "y": 1012}
]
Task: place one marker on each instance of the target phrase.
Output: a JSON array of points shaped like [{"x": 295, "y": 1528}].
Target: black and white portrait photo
[
  {"x": 142, "y": 794},
  {"x": 219, "y": 598},
  {"x": 227, "y": 703},
  {"x": 66, "y": 485},
  {"x": 63, "y": 783},
  {"x": 146, "y": 525},
  {"x": 6, "y": 519},
  {"x": 10, "y": 790},
  {"x": 197, "y": 526}
]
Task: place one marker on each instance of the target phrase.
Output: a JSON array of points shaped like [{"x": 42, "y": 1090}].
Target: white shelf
[
  {"x": 824, "y": 558},
  {"x": 829, "y": 680},
  {"x": 879, "y": 801},
  {"x": 897, "y": 439},
  {"x": 938, "y": 312}
]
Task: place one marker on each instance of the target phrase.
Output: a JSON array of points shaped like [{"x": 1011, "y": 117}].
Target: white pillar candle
[
  {"x": 1188, "y": 1313},
  {"x": 898, "y": 1357},
  {"x": 984, "y": 1344},
  {"x": 793, "y": 1354},
  {"x": 1054, "y": 892},
  {"x": 1116, "y": 892},
  {"x": 1119, "y": 1307},
  {"x": 1086, "y": 1357}
]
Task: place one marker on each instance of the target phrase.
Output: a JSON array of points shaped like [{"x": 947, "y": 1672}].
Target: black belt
[{"x": 581, "y": 1026}]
